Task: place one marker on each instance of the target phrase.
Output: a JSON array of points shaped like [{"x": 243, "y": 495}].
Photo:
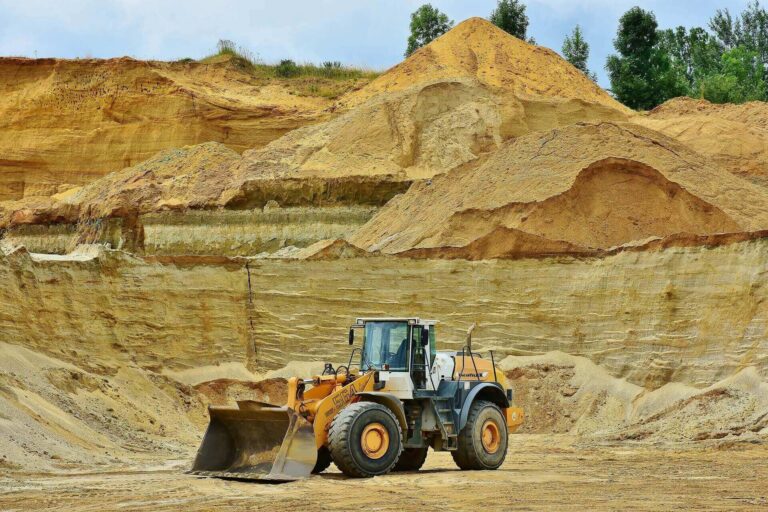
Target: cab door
[{"x": 422, "y": 355}]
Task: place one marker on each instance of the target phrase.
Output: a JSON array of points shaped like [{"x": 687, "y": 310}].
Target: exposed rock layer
[
  {"x": 69, "y": 122},
  {"x": 687, "y": 315}
]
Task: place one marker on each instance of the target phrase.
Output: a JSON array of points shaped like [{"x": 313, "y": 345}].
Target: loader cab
[{"x": 401, "y": 349}]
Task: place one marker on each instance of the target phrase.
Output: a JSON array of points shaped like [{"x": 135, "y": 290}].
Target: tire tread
[
  {"x": 339, "y": 442},
  {"x": 465, "y": 456}
]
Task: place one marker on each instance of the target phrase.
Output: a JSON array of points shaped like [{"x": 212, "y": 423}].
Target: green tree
[
  {"x": 642, "y": 75},
  {"x": 742, "y": 78},
  {"x": 509, "y": 15},
  {"x": 427, "y": 24},
  {"x": 749, "y": 30},
  {"x": 576, "y": 51},
  {"x": 725, "y": 29},
  {"x": 754, "y": 30},
  {"x": 694, "y": 52}
]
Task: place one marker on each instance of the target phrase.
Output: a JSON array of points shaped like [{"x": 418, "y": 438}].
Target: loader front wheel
[
  {"x": 365, "y": 440},
  {"x": 483, "y": 440}
]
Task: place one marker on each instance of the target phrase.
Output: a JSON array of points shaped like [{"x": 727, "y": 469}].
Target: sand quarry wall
[
  {"x": 69, "y": 122},
  {"x": 689, "y": 315},
  {"x": 222, "y": 232}
]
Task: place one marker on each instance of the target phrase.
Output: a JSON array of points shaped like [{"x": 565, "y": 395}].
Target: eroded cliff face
[
  {"x": 689, "y": 315},
  {"x": 65, "y": 123},
  {"x": 109, "y": 359}
]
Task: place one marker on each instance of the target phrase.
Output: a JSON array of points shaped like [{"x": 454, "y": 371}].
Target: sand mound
[
  {"x": 478, "y": 49},
  {"x": 587, "y": 186},
  {"x": 331, "y": 249},
  {"x": 192, "y": 176},
  {"x": 444, "y": 107},
  {"x": 568, "y": 394},
  {"x": 189, "y": 177},
  {"x": 229, "y": 391},
  {"x": 415, "y": 133},
  {"x": 735, "y": 136},
  {"x": 58, "y": 415},
  {"x": 68, "y": 122},
  {"x": 451, "y": 114}
]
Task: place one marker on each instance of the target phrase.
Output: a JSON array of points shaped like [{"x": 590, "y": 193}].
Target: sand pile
[
  {"x": 735, "y": 136},
  {"x": 568, "y": 394},
  {"x": 478, "y": 49},
  {"x": 193, "y": 176},
  {"x": 68, "y": 122},
  {"x": 416, "y": 133},
  {"x": 575, "y": 189},
  {"x": 94, "y": 412},
  {"x": 60, "y": 415},
  {"x": 229, "y": 391},
  {"x": 189, "y": 177},
  {"x": 446, "y": 107}
]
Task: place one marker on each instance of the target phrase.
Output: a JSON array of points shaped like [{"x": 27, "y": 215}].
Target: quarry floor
[{"x": 541, "y": 473}]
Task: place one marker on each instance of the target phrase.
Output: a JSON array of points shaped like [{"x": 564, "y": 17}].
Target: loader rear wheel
[
  {"x": 323, "y": 460},
  {"x": 365, "y": 440},
  {"x": 411, "y": 459},
  {"x": 483, "y": 440}
]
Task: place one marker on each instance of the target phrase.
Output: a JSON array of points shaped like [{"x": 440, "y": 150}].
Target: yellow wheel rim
[
  {"x": 491, "y": 436},
  {"x": 375, "y": 440}
]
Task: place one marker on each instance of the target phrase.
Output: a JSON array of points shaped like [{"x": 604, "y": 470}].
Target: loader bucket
[{"x": 255, "y": 441}]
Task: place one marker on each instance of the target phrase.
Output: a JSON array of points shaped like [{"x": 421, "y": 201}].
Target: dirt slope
[
  {"x": 68, "y": 122},
  {"x": 568, "y": 394},
  {"x": 734, "y": 136},
  {"x": 591, "y": 186}
]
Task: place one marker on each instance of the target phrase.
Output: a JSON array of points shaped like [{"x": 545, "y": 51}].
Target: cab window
[{"x": 386, "y": 344}]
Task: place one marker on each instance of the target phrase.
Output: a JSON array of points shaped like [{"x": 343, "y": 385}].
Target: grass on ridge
[{"x": 330, "y": 79}]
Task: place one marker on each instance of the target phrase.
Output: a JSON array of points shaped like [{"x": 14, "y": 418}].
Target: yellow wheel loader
[{"x": 401, "y": 397}]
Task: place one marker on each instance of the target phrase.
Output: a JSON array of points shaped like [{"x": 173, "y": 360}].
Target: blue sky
[{"x": 369, "y": 33}]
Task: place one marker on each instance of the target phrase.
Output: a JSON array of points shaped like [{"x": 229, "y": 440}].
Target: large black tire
[
  {"x": 411, "y": 459},
  {"x": 473, "y": 452},
  {"x": 323, "y": 460},
  {"x": 346, "y": 440}
]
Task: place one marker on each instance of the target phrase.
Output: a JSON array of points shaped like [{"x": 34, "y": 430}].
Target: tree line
[{"x": 726, "y": 62}]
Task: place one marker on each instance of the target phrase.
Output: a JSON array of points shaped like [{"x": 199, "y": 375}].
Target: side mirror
[
  {"x": 424, "y": 336},
  {"x": 351, "y": 336}
]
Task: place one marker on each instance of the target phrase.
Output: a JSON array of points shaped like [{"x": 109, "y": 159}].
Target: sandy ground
[{"x": 541, "y": 473}]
